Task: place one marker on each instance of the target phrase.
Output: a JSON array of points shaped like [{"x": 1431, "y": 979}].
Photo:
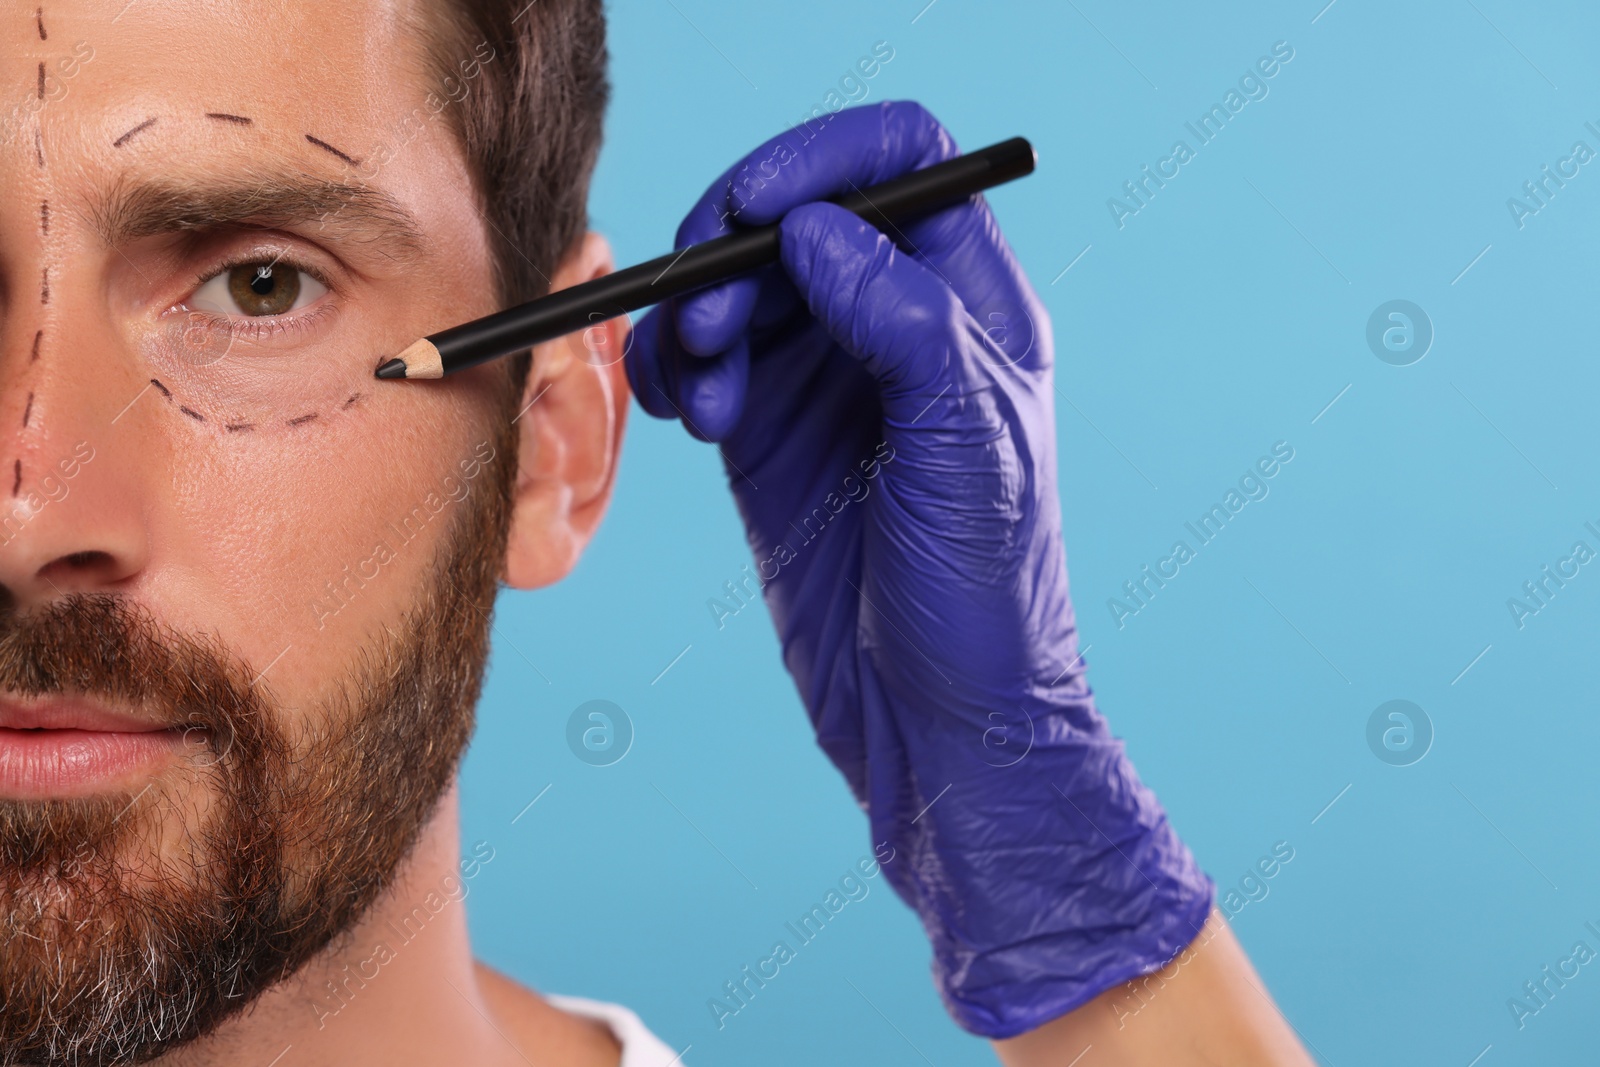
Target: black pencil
[{"x": 697, "y": 266}]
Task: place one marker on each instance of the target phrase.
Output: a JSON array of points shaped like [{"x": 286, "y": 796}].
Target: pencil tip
[{"x": 395, "y": 368}]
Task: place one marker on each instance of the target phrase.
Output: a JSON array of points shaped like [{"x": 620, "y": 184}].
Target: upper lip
[{"x": 71, "y": 713}]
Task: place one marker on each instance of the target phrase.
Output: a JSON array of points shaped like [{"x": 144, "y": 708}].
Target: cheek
[{"x": 314, "y": 538}]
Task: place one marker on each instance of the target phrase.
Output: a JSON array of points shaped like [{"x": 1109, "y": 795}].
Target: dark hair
[{"x": 528, "y": 89}]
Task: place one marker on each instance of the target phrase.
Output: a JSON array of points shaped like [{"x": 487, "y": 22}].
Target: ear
[{"x": 569, "y": 435}]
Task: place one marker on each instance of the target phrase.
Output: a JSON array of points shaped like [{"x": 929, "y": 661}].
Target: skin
[{"x": 237, "y": 532}]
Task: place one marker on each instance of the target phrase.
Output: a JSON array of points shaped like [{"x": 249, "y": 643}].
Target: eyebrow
[{"x": 345, "y": 213}]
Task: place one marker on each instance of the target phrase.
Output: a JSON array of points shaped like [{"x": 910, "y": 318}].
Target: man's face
[{"x": 251, "y": 577}]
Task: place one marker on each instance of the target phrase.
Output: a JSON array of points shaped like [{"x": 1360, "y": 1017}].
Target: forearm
[{"x": 1206, "y": 1007}]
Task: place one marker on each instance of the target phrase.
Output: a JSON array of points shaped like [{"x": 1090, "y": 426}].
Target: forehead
[{"x": 168, "y": 86}]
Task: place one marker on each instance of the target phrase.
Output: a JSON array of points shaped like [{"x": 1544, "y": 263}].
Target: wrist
[{"x": 1206, "y": 1005}]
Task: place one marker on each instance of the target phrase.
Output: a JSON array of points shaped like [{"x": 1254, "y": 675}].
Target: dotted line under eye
[{"x": 230, "y": 427}]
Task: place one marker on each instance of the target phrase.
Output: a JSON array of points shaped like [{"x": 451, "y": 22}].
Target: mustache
[{"x": 107, "y": 646}]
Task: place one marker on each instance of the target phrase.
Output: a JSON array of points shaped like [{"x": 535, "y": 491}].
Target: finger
[
  {"x": 964, "y": 246},
  {"x": 891, "y": 312},
  {"x": 853, "y": 148},
  {"x": 711, "y": 392},
  {"x": 710, "y": 321},
  {"x": 707, "y": 395},
  {"x": 777, "y": 304}
]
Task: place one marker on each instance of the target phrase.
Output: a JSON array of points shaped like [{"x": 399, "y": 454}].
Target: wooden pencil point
[{"x": 420, "y": 359}]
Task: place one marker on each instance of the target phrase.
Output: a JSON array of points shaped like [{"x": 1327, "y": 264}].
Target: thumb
[{"x": 893, "y": 313}]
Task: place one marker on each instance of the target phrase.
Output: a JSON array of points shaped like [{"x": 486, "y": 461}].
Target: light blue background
[{"x": 1224, "y": 317}]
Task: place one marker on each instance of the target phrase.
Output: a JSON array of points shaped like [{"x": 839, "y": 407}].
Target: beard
[{"x": 133, "y": 924}]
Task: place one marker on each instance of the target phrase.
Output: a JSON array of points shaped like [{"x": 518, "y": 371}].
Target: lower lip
[{"x": 49, "y": 763}]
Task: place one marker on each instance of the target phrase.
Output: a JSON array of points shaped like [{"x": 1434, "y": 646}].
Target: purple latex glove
[{"x": 885, "y": 412}]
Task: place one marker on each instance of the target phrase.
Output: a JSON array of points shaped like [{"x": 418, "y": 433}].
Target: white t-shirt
[{"x": 640, "y": 1048}]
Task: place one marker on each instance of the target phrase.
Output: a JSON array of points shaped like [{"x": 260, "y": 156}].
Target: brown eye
[
  {"x": 256, "y": 289},
  {"x": 263, "y": 288}
]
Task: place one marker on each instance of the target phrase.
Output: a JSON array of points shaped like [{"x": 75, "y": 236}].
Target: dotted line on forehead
[{"x": 218, "y": 116}]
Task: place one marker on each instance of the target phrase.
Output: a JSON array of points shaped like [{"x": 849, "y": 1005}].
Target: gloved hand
[{"x": 885, "y": 413}]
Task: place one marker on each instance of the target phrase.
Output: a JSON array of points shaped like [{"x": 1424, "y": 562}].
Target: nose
[{"x": 72, "y": 464}]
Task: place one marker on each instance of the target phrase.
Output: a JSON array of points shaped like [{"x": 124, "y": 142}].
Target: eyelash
[{"x": 265, "y": 327}]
